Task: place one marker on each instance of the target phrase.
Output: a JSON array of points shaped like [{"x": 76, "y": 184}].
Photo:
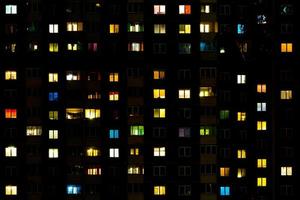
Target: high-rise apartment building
[{"x": 149, "y": 100}]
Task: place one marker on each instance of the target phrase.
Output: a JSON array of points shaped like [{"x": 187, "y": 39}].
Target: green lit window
[
  {"x": 137, "y": 130},
  {"x": 224, "y": 114}
]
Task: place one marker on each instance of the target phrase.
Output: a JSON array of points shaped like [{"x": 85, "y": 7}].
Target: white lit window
[
  {"x": 261, "y": 107},
  {"x": 53, "y": 134},
  {"x": 73, "y": 76},
  {"x": 11, "y": 190},
  {"x": 184, "y": 94},
  {"x": 136, "y": 46},
  {"x": 205, "y": 9},
  {"x": 159, "y": 9},
  {"x": 286, "y": 171},
  {"x": 53, "y": 153},
  {"x": 114, "y": 153},
  {"x": 241, "y": 79},
  {"x": 11, "y": 9},
  {"x": 159, "y": 151},
  {"x": 11, "y": 151},
  {"x": 184, "y": 9},
  {"x": 204, "y": 28},
  {"x": 53, "y": 28},
  {"x": 33, "y": 130}
]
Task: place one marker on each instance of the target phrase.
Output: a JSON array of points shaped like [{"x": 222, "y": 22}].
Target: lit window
[
  {"x": 224, "y": 191},
  {"x": 261, "y": 88},
  {"x": 74, "y": 26},
  {"x": 240, "y": 29},
  {"x": 159, "y": 9},
  {"x": 74, "y": 113},
  {"x": 114, "y": 153},
  {"x": 241, "y": 172},
  {"x": 205, "y": 9},
  {"x": 72, "y": 76},
  {"x": 113, "y": 28},
  {"x": 73, "y": 47},
  {"x": 136, "y": 130},
  {"x": 94, "y": 171},
  {"x": 53, "y": 153},
  {"x": 286, "y": 94},
  {"x": 11, "y": 151},
  {"x": 10, "y": 75},
  {"x": 11, "y": 9},
  {"x": 159, "y": 190},
  {"x": 224, "y": 171},
  {"x": 53, "y": 115},
  {"x": 261, "y": 125},
  {"x": 158, "y": 75},
  {"x": 10, "y": 113},
  {"x": 94, "y": 95},
  {"x": 184, "y": 94},
  {"x": 92, "y": 113},
  {"x": 261, "y": 182},
  {"x": 134, "y": 151},
  {"x": 184, "y": 132},
  {"x": 159, "y": 93},
  {"x": 241, "y": 116},
  {"x": 33, "y": 130},
  {"x": 224, "y": 114},
  {"x": 52, "y": 77},
  {"x": 73, "y": 189},
  {"x": 184, "y": 9},
  {"x": 241, "y": 154},
  {"x": 286, "y": 47},
  {"x": 134, "y": 170},
  {"x": 159, "y": 151},
  {"x": 261, "y": 163},
  {"x": 114, "y": 133},
  {"x": 261, "y": 107},
  {"x": 204, "y": 28},
  {"x": 184, "y": 28},
  {"x": 207, "y": 130},
  {"x": 92, "y": 152},
  {"x": 159, "y": 28},
  {"x": 114, "y": 77},
  {"x": 206, "y": 92},
  {"x": 136, "y": 46},
  {"x": 113, "y": 96},
  {"x": 135, "y": 27},
  {"x": 53, "y": 134},
  {"x": 241, "y": 79},
  {"x": 11, "y": 190},
  {"x": 286, "y": 171},
  {"x": 53, "y": 28},
  {"x": 53, "y": 47},
  {"x": 92, "y": 46},
  {"x": 159, "y": 112},
  {"x": 53, "y": 96}
]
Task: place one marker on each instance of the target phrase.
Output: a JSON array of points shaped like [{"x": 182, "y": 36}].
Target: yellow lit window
[
  {"x": 114, "y": 96},
  {"x": 158, "y": 75},
  {"x": 10, "y": 75},
  {"x": 184, "y": 9},
  {"x": 224, "y": 171},
  {"x": 204, "y": 28},
  {"x": 11, "y": 151},
  {"x": 205, "y": 9},
  {"x": 53, "y": 115},
  {"x": 159, "y": 112},
  {"x": 241, "y": 154},
  {"x": 261, "y": 163},
  {"x": 286, "y": 94},
  {"x": 113, "y": 28},
  {"x": 241, "y": 172},
  {"x": 92, "y": 152},
  {"x": 159, "y": 28},
  {"x": 206, "y": 130},
  {"x": 261, "y": 182},
  {"x": 53, "y": 47},
  {"x": 94, "y": 171},
  {"x": 184, "y": 29},
  {"x": 33, "y": 130},
  {"x": 159, "y": 190},
  {"x": 10, "y": 113},
  {"x": 286, "y": 171},
  {"x": 92, "y": 113},
  {"x": 159, "y": 9},
  {"x": 134, "y": 170},
  {"x": 286, "y": 47},
  {"x": 184, "y": 94},
  {"x": 52, "y": 77},
  {"x": 159, "y": 151},
  {"x": 134, "y": 151},
  {"x": 72, "y": 47},
  {"x": 53, "y": 153},
  {"x": 261, "y": 88},
  {"x": 11, "y": 190},
  {"x": 241, "y": 116},
  {"x": 53, "y": 134},
  {"x": 114, "y": 77},
  {"x": 74, "y": 26},
  {"x": 74, "y": 113},
  {"x": 206, "y": 92},
  {"x": 159, "y": 93},
  {"x": 261, "y": 125},
  {"x": 94, "y": 95}
]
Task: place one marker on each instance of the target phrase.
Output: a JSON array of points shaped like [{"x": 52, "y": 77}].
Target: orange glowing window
[
  {"x": 286, "y": 47},
  {"x": 10, "y": 113},
  {"x": 184, "y": 9}
]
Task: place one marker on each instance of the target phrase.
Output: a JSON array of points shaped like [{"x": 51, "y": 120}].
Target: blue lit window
[
  {"x": 241, "y": 28},
  {"x": 224, "y": 190},
  {"x": 73, "y": 189},
  {"x": 53, "y": 96},
  {"x": 206, "y": 46},
  {"x": 113, "y": 133}
]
